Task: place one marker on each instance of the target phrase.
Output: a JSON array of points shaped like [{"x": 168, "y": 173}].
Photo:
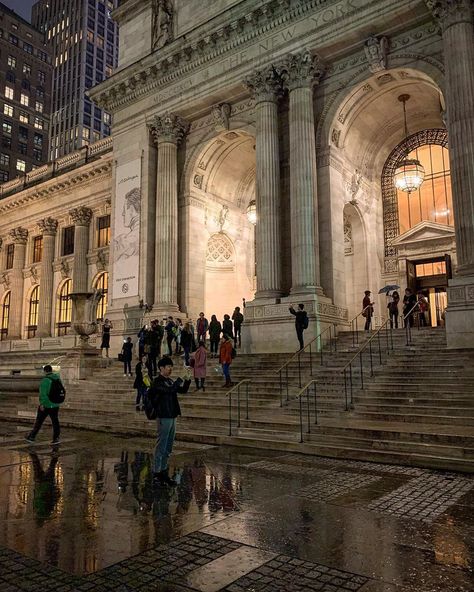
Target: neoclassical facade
[{"x": 291, "y": 107}]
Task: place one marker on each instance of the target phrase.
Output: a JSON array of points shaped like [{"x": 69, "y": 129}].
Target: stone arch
[
  {"x": 5, "y": 304},
  {"x": 32, "y": 309},
  {"x": 356, "y": 260}
]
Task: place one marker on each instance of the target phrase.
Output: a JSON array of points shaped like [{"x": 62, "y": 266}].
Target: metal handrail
[
  {"x": 355, "y": 333},
  {"x": 236, "y": 387},
  {"x": 297, "y": 355},
  {"x": 407, "y": 325},
  {"x": 306, "y": 390}
]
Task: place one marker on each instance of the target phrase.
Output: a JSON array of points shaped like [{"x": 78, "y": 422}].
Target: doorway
[{"x": 430, "y": 278}]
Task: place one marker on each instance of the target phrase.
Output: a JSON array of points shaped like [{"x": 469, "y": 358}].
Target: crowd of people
[{"x": 414, "y": 304}]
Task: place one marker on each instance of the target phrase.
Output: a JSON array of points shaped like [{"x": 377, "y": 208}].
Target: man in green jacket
[{"x": 46, "y": 407}]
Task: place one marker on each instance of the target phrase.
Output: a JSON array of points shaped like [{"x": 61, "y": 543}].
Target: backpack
[
  {"x": 148, "y": 406},
  {"x": 233, "y": 353},
  {"x": 306, "y": 322},
  {"x": 57, "y": 392}
]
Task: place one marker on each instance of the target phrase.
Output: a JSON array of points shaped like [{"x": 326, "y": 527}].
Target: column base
[
  {"x": 266, "y": 294},
  {"x": 306, "y": 291},
  {"x": 269, "y": 327},
  {"x": 460, "y": 313}
]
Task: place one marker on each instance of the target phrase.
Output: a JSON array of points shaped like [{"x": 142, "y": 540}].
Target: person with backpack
[
  {"x": 301, "y": 322},
  {"x": 227, "y": 328},
  {"x": 226, "y": 353},
  {"x": 169, "y": 330},
  {"x": 238, "y": 319},
  {"x": 162, "y": 404},
  {"x": 153, "y": 339},
  {"x": 215, "y": 330},
  {"x": 51, "y": 394}
]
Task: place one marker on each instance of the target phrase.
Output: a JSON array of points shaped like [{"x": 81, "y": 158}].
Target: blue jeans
[
  {"x": 226, "y": 371},
  {"x": 166, "y": 431}
]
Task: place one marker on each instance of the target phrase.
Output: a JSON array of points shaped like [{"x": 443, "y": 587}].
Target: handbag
[{"x": 120, "y": 357}]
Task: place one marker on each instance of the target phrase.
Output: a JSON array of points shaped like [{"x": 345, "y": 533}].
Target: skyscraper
[
  {"x": 25, "y": 95},
  {"x": 84, "y": 44}
]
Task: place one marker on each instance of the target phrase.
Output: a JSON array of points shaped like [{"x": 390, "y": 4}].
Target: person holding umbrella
[{"x": 393, "y": 309}]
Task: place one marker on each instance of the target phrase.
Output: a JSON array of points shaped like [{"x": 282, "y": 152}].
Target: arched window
[
  {"x": 5, "y": 316},
  {"x": 102, "y": 284},
  {"x": 33, "y": 312},
  {"x": 64, "y": 308}
]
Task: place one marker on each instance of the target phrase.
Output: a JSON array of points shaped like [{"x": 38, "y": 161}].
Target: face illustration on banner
[{"x": 126, "y": 244}]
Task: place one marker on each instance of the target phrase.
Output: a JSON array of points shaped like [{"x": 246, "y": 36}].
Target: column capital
[
  {"x": 81, "y": 216},
  {"x": 48, "y": 226},
  {"x": 451, "y": 12},
  {"x": 168, "y": 128},
  {"x": 265, "y": 85},
  {"x": 19, "y": 235},
  {"x": 300, "y": 70}
]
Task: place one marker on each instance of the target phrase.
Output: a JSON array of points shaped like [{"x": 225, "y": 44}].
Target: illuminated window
[
  {"x": 5, "y": 315},
  {"x": 102, "y": 285},
  {"x": 39, "y": 107},
  {"x": 8, "y": 110},
  {"x": 432, "y": 268},
  {"x": 10, "y": 254},
  {"x": 24, "y": 117},
  {"x": 64, "y": 308},
  {"x": 7, "y": 128},
  {"x": 9, "y": 92},
  {"x": 27, "y": 69},
  {"x": 433, "y": 201},
  {"x": 11, "y": 61},
  {"x": 33, "y": 312},
  {"x": 21, "y": 165},
  {"x": 39, "y": 124},
  {"x": 37, "y": 249},
  {"x": 103, "y": 231},
  {"x": 24, "y": 100}
]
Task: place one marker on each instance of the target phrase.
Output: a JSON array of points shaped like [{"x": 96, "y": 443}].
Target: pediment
[{"x": 425, "y": 232}]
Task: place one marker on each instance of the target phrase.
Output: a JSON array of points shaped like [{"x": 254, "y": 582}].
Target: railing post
[
  {"x": 287, "y": 393},
  {"x": 308, "y": 403},
  {"x": 335, "y": 338},
  {"x": 247, "y": 403},
  {"x": 301, "y": 419},
  {"x": 238, "y": 406},
  {"x": 353, "y": 333},
  {"x": 321, "y": 348},
  {"x": 371, "y": 362},
  {"x": 230, "y": 413},
  {"x": 281, "y": 390},
  {"x": 350, "y": 377},
  {"x": 299, "y": 370},
  {"x": 310, "y": 361},
  {"x": 380, "y": 350},
  {"x": 361, "y": 371},
  {"x": 357, "y": 332},
  {"x": 345, "y": 386},
  {"x": 315, "y": 404}
]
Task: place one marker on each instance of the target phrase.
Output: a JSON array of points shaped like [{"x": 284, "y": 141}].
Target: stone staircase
[{"x": 417, "y": 409}]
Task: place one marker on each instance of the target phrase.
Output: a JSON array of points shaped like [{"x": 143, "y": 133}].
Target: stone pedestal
[
  {"x": 460, "y": 313},
  {"x": 80, "y": 363},
  {"x": 269, "y": 327}
]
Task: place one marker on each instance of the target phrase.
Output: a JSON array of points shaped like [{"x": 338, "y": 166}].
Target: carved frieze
[
  {"x": 376, "y": 49},
  {"x": 168, "y": 128},
  {"x": 81, "y": 216},
  {"x": 162, "y": 25},
  {"x": 48, "y": 225},
  {"x": 221, "y": 116}
]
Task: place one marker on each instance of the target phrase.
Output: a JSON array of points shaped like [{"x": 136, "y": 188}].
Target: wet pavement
[{"x": 87, "y": 517}]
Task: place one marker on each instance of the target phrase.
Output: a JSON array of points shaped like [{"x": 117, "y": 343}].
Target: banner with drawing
[{"x": 126, "y": 243}]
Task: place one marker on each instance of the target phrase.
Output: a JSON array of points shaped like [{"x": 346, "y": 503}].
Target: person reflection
[
  {"x": 162, "y": 520},
  {"x": 215, "y": 503},
  {"x": 185, "y": 491},
  {"x": 46, "y": 493},
  {"x": 142, "y": 482},
  {"x": 198, "y": 473},
  {"x": 227, "y": 494},
  {"x": 121, "y": 469}
]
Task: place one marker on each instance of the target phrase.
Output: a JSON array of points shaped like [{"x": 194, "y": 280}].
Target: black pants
[
  {"x": 299, "y": 334},
  {"x": 393, "y": 318},
  {"x": 368, "y": 320},
  {"x": 151, "y": 362},
  {"x": 214, "y": 346},
  {"x": 169, "y": 341},
  {"x": 199, "y": 384},
  {"x": 41, "y": 416},
  {"x": 237, "y": 335},
  {"x": 422, "y": 318},
  {"x": 127, "y": 366}
]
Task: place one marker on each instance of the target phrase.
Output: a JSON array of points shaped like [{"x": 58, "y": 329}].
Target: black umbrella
[{"x": 389, "y": 288}]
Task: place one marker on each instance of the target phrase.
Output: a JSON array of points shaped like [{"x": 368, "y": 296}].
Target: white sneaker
[
  {"x": 125, "y": 375},
  {"x": 130, "y": 375}
]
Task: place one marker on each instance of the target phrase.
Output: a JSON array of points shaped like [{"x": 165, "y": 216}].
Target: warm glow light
[
  {"x": 252, "y": 212},
  {"x": 409, "y": 175}
]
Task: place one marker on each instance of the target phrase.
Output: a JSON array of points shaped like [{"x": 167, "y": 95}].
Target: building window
[
  {"x": 25, "y": 84},
  {"x": 24, "y": 117},
  {"x": 39, "y": 107},
  {"x": 3, "y": 176},
  {"x": 21, "y": 165},
  {"x": 4, "y": 159},
  {"x": 33, "y": 312},
  {"x": 7, "y": 128},
  {"x": 39, "y": 123},
  {"x": 38, "y": 154},
  {"x": 28, "y": 47},
  {"x": 38, "y": 140},
  {"x": 37, "y": 249},
  {"x": 11, "y": 76},
  {"x": 8, "y": 110},
  {"x": 23, "y": 132},
  {"x": 11, "y": 61},
  {"x": 24, "y": 99},
  {"x": 5, "y": 315},
  {"x": 103, "y": 231},
  {"x": 27, "y": 69},
  {"x": 64, "y": 308},
  {"x": 102, "y": 285},
  {"x": 39, "y": 93},
  {"x": 9, "y": 92},
  {"x": 22, "y": 148},
  {"x": 41, "y": 77},
  {"x": 13, "y": 39},
  {"x": 68, "y": 240},
  {"x": 10, "y": 255}
]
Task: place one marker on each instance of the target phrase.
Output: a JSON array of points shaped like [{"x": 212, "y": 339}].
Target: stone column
[
  {"x": 299, "y": 73},
  {"x": 168, "y": 131},
  {"x": 48, "y": 227},
  {"x": 19, "y": 237},
  {"x": 456, "y": 20},
  {"x": 265, "y": 87},
  {"x": 81, "y": 217}
]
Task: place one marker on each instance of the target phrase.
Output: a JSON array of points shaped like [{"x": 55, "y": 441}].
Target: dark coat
[
  {"x": 138, "y": 382},
  {"x": 215, "y": 330},
  {"x": 238, "y": 319},
  {"x": 127, "y": 349},
  {"x": 227, "y": 328},
  {"x": 300, "y": 317},
  {"x": 186, "y": 338},
  {"x": 164, "y": 396}
]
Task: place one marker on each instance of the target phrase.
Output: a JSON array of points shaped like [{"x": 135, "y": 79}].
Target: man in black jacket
[
  {"x": 163, "y": 394},
  {"x": 301, "y": 322}
]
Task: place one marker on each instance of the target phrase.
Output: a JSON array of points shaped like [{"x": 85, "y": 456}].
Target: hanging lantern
[
  {"x": 409, "y": 174},
  {"x": 252, "y": 212}
]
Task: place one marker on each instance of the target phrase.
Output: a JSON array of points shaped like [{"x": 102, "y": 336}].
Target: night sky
[{"x": 21, "y": 7}]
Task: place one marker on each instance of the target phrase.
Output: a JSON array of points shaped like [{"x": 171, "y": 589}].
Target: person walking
[
  {"x": 202, "y": 326},
  {"x": 238, "y": 319},
  {"x": 186, "y": 342},
  {"x": 105, "y": 343},
  {"x": 409, "y": 301},
  {"x": 367, "y": 309},
  {"x": 163, "y": 395},
  {"x": 423, "y": 309},
  {"x": 153, "y": 339},
  {"x": 393, "y": 309},
  {"x": 215, "y": 330},
  {"x": 199, "y": 365},
  {"x": 227, "y": 328},
  {"x": 142, "y": 381},
  {"x": 301, "y": 322},
  {"x": 47, "y": 407},
  {"x": 169, "y": 327},
  {"x": 225, "y": 358},
  {"x": 127, "y": 353}
]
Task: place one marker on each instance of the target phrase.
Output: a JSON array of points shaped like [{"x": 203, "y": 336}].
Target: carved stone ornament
[
  {"x": 81, "y": 216},
  {"x": 64, "y": 269},
  {"x": 221, "y": 116},
  {"x": 102, "y": 260},
  {"x": 169, "y": 128},
  {"x": 162, "y": 25},
  {"x": 376, "y": 49},
  {"x": 48, "y": 225},
  {"x": 353, "y": 186},
  {"x": 5, "y": 280},
  {"x": 300, "y": 70},
  {"x": 34, "y": 275},
  {"x": 265, "y": 85},
  {"x": 450, "y": 12},
  {"x": 19, "y": 235},
  {"x": 1, "y": 243}
]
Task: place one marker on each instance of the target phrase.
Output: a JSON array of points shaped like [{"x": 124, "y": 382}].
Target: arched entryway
[{"x": 355, "y": 258}]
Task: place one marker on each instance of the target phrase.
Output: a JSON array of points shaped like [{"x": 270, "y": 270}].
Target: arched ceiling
[
  {"x": 225, "y": 169},
  {"x": 369, "y": 121}
]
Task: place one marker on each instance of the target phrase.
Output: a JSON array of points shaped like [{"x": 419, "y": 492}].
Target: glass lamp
[{"x": 409, "y": 174}]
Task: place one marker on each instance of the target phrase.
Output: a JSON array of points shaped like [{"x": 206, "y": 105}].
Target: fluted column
[
  {"x": 265, "y": 87},
  {"x": 81, "y": 217},
  {"x": 48, "y": 227},
  {"x": 299, "y": 73},
  {"x": 19, "y": 237},
  {"x": 456, "y": 20},
  {"x": 168, "y": 131}
]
